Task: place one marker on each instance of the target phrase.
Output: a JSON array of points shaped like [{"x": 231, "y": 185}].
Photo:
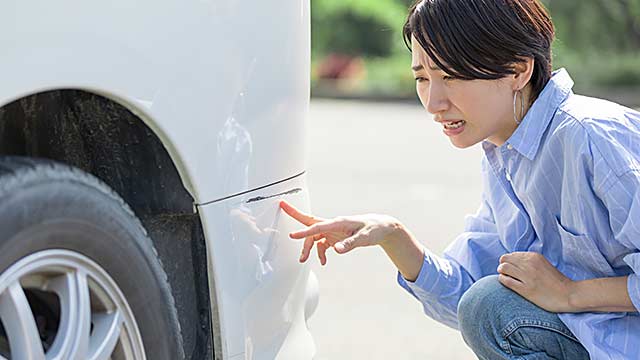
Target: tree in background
[
  {"x": 597, "y": 40},
  {"x": 356, "y": 27},
  {"x": 597, "y": 24}
]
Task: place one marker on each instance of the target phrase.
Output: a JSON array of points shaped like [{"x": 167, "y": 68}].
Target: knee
[
  {"x": 479, "y": 311},
  {"x": 475, "y": 300}
]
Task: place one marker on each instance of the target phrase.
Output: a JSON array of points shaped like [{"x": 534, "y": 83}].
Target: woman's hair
[{"x": 483, "y": 39}]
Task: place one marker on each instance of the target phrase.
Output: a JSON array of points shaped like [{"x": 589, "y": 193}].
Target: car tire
[{"x": 67, "y": 224}]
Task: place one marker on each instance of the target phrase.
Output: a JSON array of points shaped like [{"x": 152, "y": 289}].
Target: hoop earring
[{"x": 515, "y": 116}]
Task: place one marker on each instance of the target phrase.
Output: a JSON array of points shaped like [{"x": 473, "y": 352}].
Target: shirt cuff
[
  {"x": 633, "y": 288},
  {"x": 428, "y": 278}
]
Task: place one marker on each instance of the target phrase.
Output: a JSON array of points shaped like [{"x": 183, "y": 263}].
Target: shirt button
[
  {"x": 509, "y": 146},
  {"x": 506, "y": 173}
]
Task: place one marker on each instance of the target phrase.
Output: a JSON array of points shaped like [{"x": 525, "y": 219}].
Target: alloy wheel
[{"x": 59, "y": 304}]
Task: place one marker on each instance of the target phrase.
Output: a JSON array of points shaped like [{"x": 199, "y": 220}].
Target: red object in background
[{"x": 340, "y": 66}]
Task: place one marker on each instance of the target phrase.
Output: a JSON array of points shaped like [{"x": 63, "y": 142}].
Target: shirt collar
[{"x": 528, "y": 135}]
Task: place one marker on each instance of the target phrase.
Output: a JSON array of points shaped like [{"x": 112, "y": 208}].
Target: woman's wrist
[
  {"x": 404, "y": 250},
  {"x": 574, "y": 298},
  {"x": 396, "y": 233}
]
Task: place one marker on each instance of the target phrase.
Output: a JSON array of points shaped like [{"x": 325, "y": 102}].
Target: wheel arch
[{"x": 113, "y": 140}]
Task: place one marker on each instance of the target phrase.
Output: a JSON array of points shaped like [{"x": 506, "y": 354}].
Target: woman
[{"x": 548, "y": 266}]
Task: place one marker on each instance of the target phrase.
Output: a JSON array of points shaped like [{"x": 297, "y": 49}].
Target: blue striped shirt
[{"x": 567, "y": 185}]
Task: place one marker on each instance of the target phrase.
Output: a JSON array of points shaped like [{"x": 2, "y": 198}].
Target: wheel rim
[{"x": 59, "y": 304}]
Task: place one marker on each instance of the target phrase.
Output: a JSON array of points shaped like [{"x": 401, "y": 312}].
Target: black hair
[{"x": 483, "y": 39}]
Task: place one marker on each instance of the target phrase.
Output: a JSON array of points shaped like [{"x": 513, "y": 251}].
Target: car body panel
[
  {"x": 234, "y": 73},
  {"x": 261, "y": 287},
  {"x": 225, "y": 86}
]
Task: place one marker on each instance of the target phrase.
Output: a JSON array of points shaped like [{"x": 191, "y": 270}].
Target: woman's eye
[
  {"x": 421, "y": 79},
  {"x": 447, "y": 78}
]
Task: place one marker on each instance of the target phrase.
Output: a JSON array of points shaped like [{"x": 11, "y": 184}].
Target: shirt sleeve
[
  {"x": 442, "y": 280},
  {"x": 622, "y": 199}
]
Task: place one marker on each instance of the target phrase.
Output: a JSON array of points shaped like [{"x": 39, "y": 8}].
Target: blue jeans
[{"x": 497, "y": 323}]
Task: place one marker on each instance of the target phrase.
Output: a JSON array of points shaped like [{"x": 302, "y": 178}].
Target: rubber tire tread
[{"x": 45, "y": 204}]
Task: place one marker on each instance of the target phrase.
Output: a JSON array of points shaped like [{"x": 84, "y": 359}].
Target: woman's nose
[{"x": 437, "y": 100}]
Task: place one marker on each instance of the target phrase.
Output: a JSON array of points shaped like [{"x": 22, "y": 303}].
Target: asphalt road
[{"x": 392, "y": 159}]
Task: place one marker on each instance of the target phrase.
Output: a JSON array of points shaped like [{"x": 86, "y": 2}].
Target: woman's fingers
[
  {"x": 308, "y": 245},
  {"x": 350, "y": 243},
  {"x": 510, "y": 282},
  {"x": 322, "y": 247},
  {"x": 305, "y": 219},
  {"x": 510, "y": 270},
  {"x": 317, "y": 228}
]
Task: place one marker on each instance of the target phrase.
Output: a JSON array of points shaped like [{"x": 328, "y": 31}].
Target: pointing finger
[{"x": 305, "y": 219}]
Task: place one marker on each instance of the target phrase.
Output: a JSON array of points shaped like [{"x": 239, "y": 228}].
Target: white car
[{"x": 144, "y": 148}]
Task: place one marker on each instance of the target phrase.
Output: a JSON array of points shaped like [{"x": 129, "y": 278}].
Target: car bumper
[{"x": 263, "y": 294}]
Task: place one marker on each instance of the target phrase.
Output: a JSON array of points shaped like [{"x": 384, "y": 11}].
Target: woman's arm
[
  {"x": 601, "y": 295},
  {"x": 437, "y": 282},
  {"x": 406, "y": 253},
  {"x": 534, "y": 278},
  {"x": 346, "y": 233}
]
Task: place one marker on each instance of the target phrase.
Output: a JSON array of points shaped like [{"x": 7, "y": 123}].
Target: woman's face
[{"x": 470, "y": 111}]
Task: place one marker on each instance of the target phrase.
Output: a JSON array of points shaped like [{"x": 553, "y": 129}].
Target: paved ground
[{"x": 392, "y": 159}]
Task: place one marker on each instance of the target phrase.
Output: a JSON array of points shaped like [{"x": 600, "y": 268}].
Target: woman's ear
[{"x": 523, "y": 72}]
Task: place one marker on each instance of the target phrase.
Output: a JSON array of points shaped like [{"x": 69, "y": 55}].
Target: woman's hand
[
  {"x": 534, "y": 278},
  {"x": 343, "y": 233}
]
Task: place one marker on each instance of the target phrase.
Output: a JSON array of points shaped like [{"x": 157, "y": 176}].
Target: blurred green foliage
[
  {"x": 598, "y": 41},
  {"x": 594, "y": 26},
  {"x": 356, "y": 27}
]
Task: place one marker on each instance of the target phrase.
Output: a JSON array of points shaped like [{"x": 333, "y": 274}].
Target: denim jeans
[{"x": 497, "y": 323}]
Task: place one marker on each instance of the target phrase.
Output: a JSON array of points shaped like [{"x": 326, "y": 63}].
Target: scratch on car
[{"x": 259, "y": 198}]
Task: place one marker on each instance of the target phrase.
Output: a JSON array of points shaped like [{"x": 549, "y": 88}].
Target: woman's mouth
[
  {"x": 454, "y": 124},
  {"x": 454, "y": 127}
]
